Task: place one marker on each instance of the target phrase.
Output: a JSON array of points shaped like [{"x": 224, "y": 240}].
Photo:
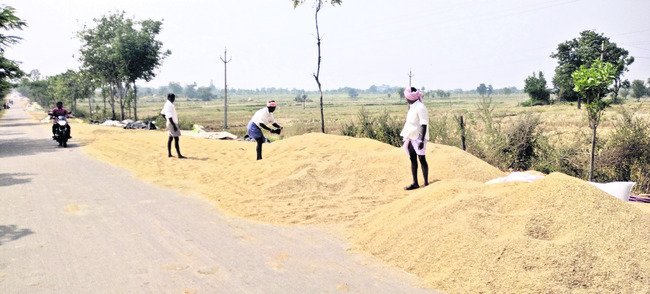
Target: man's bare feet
[{"x": 412, "y": 187}]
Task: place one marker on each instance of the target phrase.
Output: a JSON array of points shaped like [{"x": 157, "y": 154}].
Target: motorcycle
[{"x": 61, "y": 130}]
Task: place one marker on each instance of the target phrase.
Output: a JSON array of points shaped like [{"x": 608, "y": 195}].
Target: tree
[
  {"x": 625, "y": 92},
  {"x": 536, "y": 89},
  {"x": 591, "y": 82},
  {"x": 175, "y": 87},
  {"x": 400, "y": 92},
  {"x": 353, "y": 93},
  {"x": 573, "y": 54},
  {"x": 481, "y": 89},
  {"x": 69, "y": 87},
  {"x": 508, "y": 91},
  {"x": 118, "y": 51},
  {"x": 638, "y": 89},
  {"x": 140, "y": 53},
  {"x": 205, "y": 93},
  {"x": 490, "y": 90},
  {"x": 38, "y": 90},
  {"x": 318, "y": 5},
  {"x": 9, "y": 69},
  {"x": 190, "y": 90}
]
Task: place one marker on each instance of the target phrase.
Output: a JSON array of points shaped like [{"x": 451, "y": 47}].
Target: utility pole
[
  {"x": 225, "y": 88},
  {"x": 410, "y": 76}
]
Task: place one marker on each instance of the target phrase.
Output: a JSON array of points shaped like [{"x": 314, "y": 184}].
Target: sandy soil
[{"x": 556, "y": 235}]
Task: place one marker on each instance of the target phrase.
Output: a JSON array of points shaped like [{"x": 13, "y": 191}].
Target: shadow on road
[
  {"x": 11, "y": 233},
  {"x": 22, "y": 147},
  {"x": 18, "y": 125},
  {"x": 14, "y": 179}
]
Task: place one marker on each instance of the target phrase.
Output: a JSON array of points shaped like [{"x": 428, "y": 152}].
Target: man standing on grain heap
[{"x": 416, "y": 135}]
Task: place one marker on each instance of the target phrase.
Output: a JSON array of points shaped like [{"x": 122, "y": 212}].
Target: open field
[{"x": 560, "y": 119}]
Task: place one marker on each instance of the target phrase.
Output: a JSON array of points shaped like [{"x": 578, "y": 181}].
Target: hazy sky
[{"x": 446, "y": 44}]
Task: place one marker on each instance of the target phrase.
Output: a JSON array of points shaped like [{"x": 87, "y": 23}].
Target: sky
[{"x": 443, "y": 44}]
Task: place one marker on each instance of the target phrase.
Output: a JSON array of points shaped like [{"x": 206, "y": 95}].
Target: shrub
[
  {"x": 521, "y": 143},
  {"x": 570, "y": 157},
  {"x": 382, "y": 127},
  {"x": 388, "y": 129},
  {"x": 626, "y": 155}
]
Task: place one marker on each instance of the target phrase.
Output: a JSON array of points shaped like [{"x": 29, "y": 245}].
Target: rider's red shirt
[{"x": 59, "y": 112}]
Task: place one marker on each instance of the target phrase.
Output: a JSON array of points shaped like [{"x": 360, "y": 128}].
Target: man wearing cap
[
  {"x": 260, "y": 120},
  {"x": 171, "y": 117}
]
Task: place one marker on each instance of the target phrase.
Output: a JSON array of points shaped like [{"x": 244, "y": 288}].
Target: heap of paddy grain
[
  {"x": 459, "y": 235},
  {"x": 555, "y": 235}
]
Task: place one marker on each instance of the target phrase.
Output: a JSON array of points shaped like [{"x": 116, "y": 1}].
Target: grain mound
[
  {"x": 555, "y": 235},
  {"x": 308, "y": 179}
]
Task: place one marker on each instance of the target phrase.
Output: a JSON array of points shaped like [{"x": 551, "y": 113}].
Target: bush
[
  {"x": 569, "y": 158},
  {"x": 382, "y": 128},
  {"x": 626, "y": 155},
  {"x": 517, "y": 146},
  {"x": 184, "y": 124},
  {"x": 522, "y": 142}
]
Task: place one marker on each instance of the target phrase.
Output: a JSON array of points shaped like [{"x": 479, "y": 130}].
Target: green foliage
[
  {"x": 353, "y": 93},
  {"x": 591, "y": 82},
  {"x": 521, "y": 144},
  {"x": 638, "y": 89},
  {"x": 381, "y": 127},
  {"x": 482, "y": 89},
  {"x": 626, "y": 156},
  {"x": 9, "y": 21},
  {"x": 400, "y": 92},
  {"x": 119, "y": 50},
  {"x": 9, "y": 69},
  {"x": 160, "y": 121},
  {"x": 573, "y": 54},
  {"x": 567, "y": 158},
  {"x": 536, "y": 89},
  {"x": 37, "y": 90}
]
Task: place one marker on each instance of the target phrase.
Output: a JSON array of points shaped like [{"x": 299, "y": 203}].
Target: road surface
[{"x": 71, "y": 224}]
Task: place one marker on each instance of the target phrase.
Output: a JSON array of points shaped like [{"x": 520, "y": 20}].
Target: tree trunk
[
  {"x": 579, "y": 102},
  {"x": 120, "y": 90},
  {"x": 615, "y": 92},
  {"x": 90, "y": 107},
  {"x": 135, "y": 102},
  {"x": 112, "y": 101},
  {"x": 317, "y": 74},
  {"x": 593, "y": 149},
  {"x": 462, "y": 133}
]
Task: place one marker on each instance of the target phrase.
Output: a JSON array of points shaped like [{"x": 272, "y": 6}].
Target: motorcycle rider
[{"x": 60, "y": 111}]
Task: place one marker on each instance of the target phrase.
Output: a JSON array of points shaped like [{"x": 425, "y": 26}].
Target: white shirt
[
  {"x": 169, "y": 110},
  {"x": 263, "y": 116},
  {"x": 415, "y": 118}
]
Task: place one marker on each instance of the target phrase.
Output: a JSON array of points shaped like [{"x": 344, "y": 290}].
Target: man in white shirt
[
  {"x": 416, "y": 135},
  {"x": 259, "y": 121},
  {"x": 171, "y": 117}
]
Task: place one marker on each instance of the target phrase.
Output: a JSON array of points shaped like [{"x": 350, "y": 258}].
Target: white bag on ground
[{"x": 620, "y": 190}]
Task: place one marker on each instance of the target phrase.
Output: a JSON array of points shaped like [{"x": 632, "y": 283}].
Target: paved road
[{"x": 70, "y": 224}]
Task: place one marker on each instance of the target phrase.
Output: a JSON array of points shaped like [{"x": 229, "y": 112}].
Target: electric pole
[
  {"x": 225, "y": 88},
  {"x": 410, "y": 76}
]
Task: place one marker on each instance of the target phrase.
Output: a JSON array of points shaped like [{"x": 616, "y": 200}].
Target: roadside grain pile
[
  {"x": 308, "y": 179},
  {"x": 556, "y": 235}
]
